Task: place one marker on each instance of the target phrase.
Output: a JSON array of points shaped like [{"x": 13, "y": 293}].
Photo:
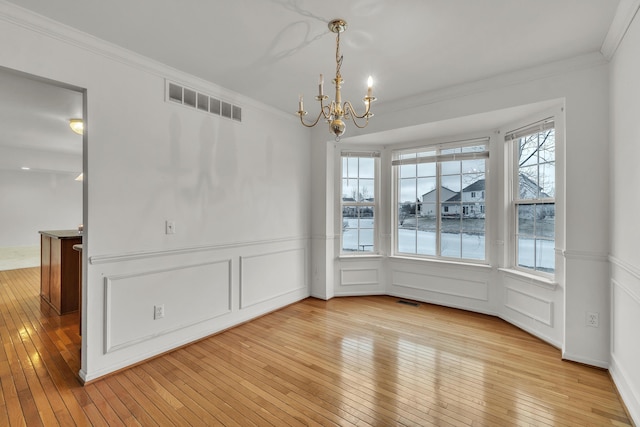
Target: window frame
[
  {"x": 512, "y": 138},
  {"x": 375, "y": 205},
  {"x": 439, "y": 158}
]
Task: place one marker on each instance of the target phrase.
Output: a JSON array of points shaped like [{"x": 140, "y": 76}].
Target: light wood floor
[{"x": 349, "y": 361}]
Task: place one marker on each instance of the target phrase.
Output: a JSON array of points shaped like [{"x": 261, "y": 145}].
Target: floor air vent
[
  {"x": 411, "y": 303},
  {"x": 203, "y": 102}
]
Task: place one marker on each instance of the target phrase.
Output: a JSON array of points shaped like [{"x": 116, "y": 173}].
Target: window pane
[
  {"x": 547, "y": 180},
  {"x": 407, "y": 156},
  {"x": 451, "y": 150},
  {"x": 427, "y": 169},
  {"x": 528, "y": 183},
  {"x": 452, "y": 183},
  {"x": 349, "y": 230},
  {"x": 427, "y": 154},
  {"x": 525, "y": 215},
  {"x": 528, "y": 152},
  {"x": 425, "y": 186},
  {"x": 366, "y": 219},
  {"x": 526, "y": 253},
  {"x": 474, "y": 149},
  {"x": 358, "y": 210},
  {"x": 473, "y": 166},
  {"x": 367, "y": 167},
  {"x": 535, "y": 232},
  {"x": 546, "y": 220},
  {"x": 548, "y": 148},
  {"x": 426, "y": 235},
  {"x": 450, "y": 244},
  {"x": 365, "y": 243},
  {"x": 408, "y": 191},
  {"x": 431, "y": 208},
  {"x": 350, "y": 167},
  {"x": 450, "y": 168},
  {"x": 349, "y": 190},
  {"x": 365, "y": 190},
  {"x": 545, "y": 255},
  {"x": 407, "y": 171},
  {"x": 406, "y": 230},
  {"x": 473, "y": 246}
]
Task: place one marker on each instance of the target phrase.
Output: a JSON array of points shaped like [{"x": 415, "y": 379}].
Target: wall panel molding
[
  {"x": 529, "y": 305},
  {"x": 132, "y": 256},
  {"x": 586, "y": 255},
  {"x": 629, "y": 268},
  {"x": 359, "y": 276},
  {"x": 276, "y": 267},
  {"x": 128, "y": 322},
  {"x": 444, "y": 285}
]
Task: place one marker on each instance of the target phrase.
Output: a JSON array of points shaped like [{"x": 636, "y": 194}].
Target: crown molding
[
  {"x": 40, "y": 24},
  {"x": 512, "y": 78},
  {"x": 625, "y": 13}
]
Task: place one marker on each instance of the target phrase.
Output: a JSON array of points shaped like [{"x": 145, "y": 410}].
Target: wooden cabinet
[{"x": 59, "y": 278}]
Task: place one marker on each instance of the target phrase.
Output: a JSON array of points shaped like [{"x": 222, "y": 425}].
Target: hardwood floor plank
[{"x": 350, "y": 361}]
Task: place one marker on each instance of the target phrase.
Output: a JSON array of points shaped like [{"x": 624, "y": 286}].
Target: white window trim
[
  {"x": 471, "y": 141},
  {"x": 376, "y": 253},
  {"x": 556, "y": 116}
]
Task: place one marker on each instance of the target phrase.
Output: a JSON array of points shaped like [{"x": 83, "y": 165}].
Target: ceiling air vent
[{"x": 193, "y": 99}]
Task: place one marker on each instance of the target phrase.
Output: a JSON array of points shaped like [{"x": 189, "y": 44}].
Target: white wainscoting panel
[
  {"x": 359, "y": 276},
  {"x": 271, "y": 275},
  {"x": 457, "y": 287},
  {"x": 190, "y": 294},
  {"x": 529, "y": 305},
  {"x": 625, "y": 346}
]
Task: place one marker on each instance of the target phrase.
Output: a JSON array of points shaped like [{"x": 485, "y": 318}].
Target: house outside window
[
  {"x": 438, "y": 209},
  {"x": 358, "y": 202},
  {"x": 533, "y": 197}
]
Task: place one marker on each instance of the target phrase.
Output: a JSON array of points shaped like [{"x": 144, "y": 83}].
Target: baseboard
[{"x": 629, "y": 396}]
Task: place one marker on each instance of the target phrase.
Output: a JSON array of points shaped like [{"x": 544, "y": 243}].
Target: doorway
[{"x": 41, "y": 182}]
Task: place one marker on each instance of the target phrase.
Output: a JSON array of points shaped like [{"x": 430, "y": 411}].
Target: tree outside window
[{"x": 534, "y": 200}]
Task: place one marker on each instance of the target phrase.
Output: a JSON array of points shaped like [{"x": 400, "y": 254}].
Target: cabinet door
[
  {"x": 45, "y": 267},
  {"x": 55, "y": 285},
  {"x": 69, "y": 278}
]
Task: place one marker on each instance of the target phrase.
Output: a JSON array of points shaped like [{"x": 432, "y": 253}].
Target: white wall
[
  {"x": 34, "y": 201},
  {"x": 625, "y": 232},
  {"x": 238, "y": 193},
  {"x": 553, "y": 311}
]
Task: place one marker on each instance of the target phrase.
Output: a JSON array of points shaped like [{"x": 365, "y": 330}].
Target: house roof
[{"x": 476, "y": 186}]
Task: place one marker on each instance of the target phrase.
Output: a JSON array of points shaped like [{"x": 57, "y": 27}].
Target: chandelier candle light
[{"x": 336, "y": 111}]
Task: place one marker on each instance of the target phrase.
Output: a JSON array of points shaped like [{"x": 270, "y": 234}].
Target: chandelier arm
[
  {"x": 321, "y": 114},
  {"x": 348, "y": 108},
  {"x": 353, "y": 119}
]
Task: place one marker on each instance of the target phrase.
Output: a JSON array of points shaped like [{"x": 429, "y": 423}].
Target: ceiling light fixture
[
  {"x": 80, "y": 177},
  {"x": 76, "y": 125},
  {"x": 336, "y": 111}
]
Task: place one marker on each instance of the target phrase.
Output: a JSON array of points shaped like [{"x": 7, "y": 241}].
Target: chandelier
[{"x": 336, "y": 111}]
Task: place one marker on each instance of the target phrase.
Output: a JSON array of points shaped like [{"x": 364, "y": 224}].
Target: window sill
[
  {"x": 345, "y": 257},
  {"x": 440, "y": 261},
  {"x": 544, "y": 282}
]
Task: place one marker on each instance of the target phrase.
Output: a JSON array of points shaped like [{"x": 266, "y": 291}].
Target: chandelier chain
[{"x": 338, "y": 56}]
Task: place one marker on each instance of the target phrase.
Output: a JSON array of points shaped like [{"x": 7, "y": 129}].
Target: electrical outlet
[
  {"x": 593, "y": 319},
  {"x": 158, "y": 311},
  {"x": 170, "y": 227}
]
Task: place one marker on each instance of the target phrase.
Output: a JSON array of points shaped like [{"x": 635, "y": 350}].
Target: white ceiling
[{"x": 273, "y": 50}]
